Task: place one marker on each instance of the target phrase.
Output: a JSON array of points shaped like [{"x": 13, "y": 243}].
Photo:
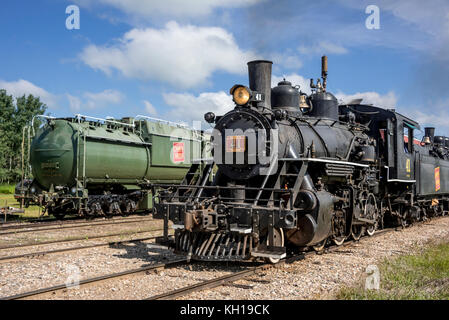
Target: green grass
[
  {"x": 423, "y": 275},
  {"x": 7, "y": 189},
  {"x": 8, "y": 200}
]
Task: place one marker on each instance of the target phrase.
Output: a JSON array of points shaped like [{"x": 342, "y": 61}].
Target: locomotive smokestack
[
  {"x": 324, "y": 71},
  {"x": 430, "y": 132},
  {"x": 260, "y": 80}
]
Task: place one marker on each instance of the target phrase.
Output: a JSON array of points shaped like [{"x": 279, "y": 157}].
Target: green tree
[{"x": 14, "y": 116}]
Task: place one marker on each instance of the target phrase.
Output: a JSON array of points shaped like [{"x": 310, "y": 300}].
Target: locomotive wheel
[
  {"x": 278, "y": 242},
  {"x": 357, "y": 231},
  {"x": 403, "y": 219},
  {"x": 371, "y": 230},
  {"x": 57, "y": 214},
  {"x": 371, "y": 212},
  {"x": 319, "y": 247},
  {"x": 339, "y": 240},
  {"x": 339, "y": 233}
]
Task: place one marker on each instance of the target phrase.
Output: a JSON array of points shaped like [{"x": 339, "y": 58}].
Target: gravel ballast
[{"x": 316, "y": 277}]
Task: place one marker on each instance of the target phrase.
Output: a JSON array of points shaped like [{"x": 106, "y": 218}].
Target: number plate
[{"x": 235, "y": 144}]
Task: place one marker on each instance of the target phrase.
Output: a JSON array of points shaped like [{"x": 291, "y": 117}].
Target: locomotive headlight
[
  {"x": 241, "y": 95},
  {"x": 73, "y": 190}
]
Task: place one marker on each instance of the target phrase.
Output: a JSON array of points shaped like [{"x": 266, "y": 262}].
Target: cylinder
[
  {"x": 430, "y": 132},
  {"x": 260, "y": 80}
]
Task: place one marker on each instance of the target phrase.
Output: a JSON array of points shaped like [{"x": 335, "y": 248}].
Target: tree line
[{"x": 15, "y": 114}]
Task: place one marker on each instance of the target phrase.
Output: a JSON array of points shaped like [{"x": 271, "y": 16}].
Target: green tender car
[{"x": 90, "y": 166}]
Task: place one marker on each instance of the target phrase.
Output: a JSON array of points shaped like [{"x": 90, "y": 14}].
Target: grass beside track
[
  {"x": 421, "y": 275},
  {"x": 7, "y": 189},
  {"x": 7, "y": 199}
]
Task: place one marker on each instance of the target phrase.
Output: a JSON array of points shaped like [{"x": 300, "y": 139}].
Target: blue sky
[{"x": 177, "y": 59}]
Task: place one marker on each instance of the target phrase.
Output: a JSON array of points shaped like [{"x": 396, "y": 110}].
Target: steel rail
[
  {"x": 96, "y": 279},
  {"x": 209, "y": 284},
  {"x": 76, "y": 239},
  {"x": 70, "y": 226},
  {"x": 39, "y": 222},
  {"x": 44, "y": 253},
  {"x": 214, "y": 283}
]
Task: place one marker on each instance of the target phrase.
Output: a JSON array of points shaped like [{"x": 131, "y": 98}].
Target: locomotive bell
[{"x": 430, "y": 133}]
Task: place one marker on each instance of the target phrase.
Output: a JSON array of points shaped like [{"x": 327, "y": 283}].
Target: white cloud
[
  {"x": 175, "y": 8},
  {"x": 388, "y": 100},
  {"x": 437, "y": 119},
  {"x": 288, "y": 61},
  {"x": 74, "y": 103},
  {"x": 184, "y": 56},
  {"x": 433, "y": 113},
  {"x": 188, "y": 108},
  {"x": 323, "y": 48},
  {"x": 24, "y": 87},
  {"x": 90, "y": 100},
  {"x": 429, "y": 18},
  {"x": 104, "y": 98},
  {"x": 149, "y": 108}
]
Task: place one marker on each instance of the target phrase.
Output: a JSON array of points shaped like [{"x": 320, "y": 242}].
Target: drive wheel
[
  {"x": 357, "y": 231},
  {"x": 278, "y": 242},
  {"x": 319, "y": 247},
  {"x": 371, "y": 230},
  {"x": 371, "y": 212},
  {"x": 339, "y": 240}
]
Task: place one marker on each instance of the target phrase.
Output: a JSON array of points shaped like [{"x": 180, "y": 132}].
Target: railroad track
[
  {"x": 71, "y": 226},
  {"x": 38, "y": 292},
  {"x": 31, "y": 244},
  {"x": 208, "y": 284},
  {"x": 54, "y": 222},
  {"x": 227, "y": 279},
  {"x": 44, "y": 253}
]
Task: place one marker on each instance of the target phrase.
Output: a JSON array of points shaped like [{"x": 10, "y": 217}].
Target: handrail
[
  {"x": 79, "y": 116},
  {"x": 160, "y": 120},
  {"x": 39, "y": 116},
  {"x": 181, "y": 125}
]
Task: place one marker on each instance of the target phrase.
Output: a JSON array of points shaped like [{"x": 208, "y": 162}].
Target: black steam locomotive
[{"x": 298, "y": 171}]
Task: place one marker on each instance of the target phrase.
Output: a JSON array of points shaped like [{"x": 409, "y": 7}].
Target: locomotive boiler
[
  {"x": 94, "y": 167},
  {"x": 297, "y": 171}
]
